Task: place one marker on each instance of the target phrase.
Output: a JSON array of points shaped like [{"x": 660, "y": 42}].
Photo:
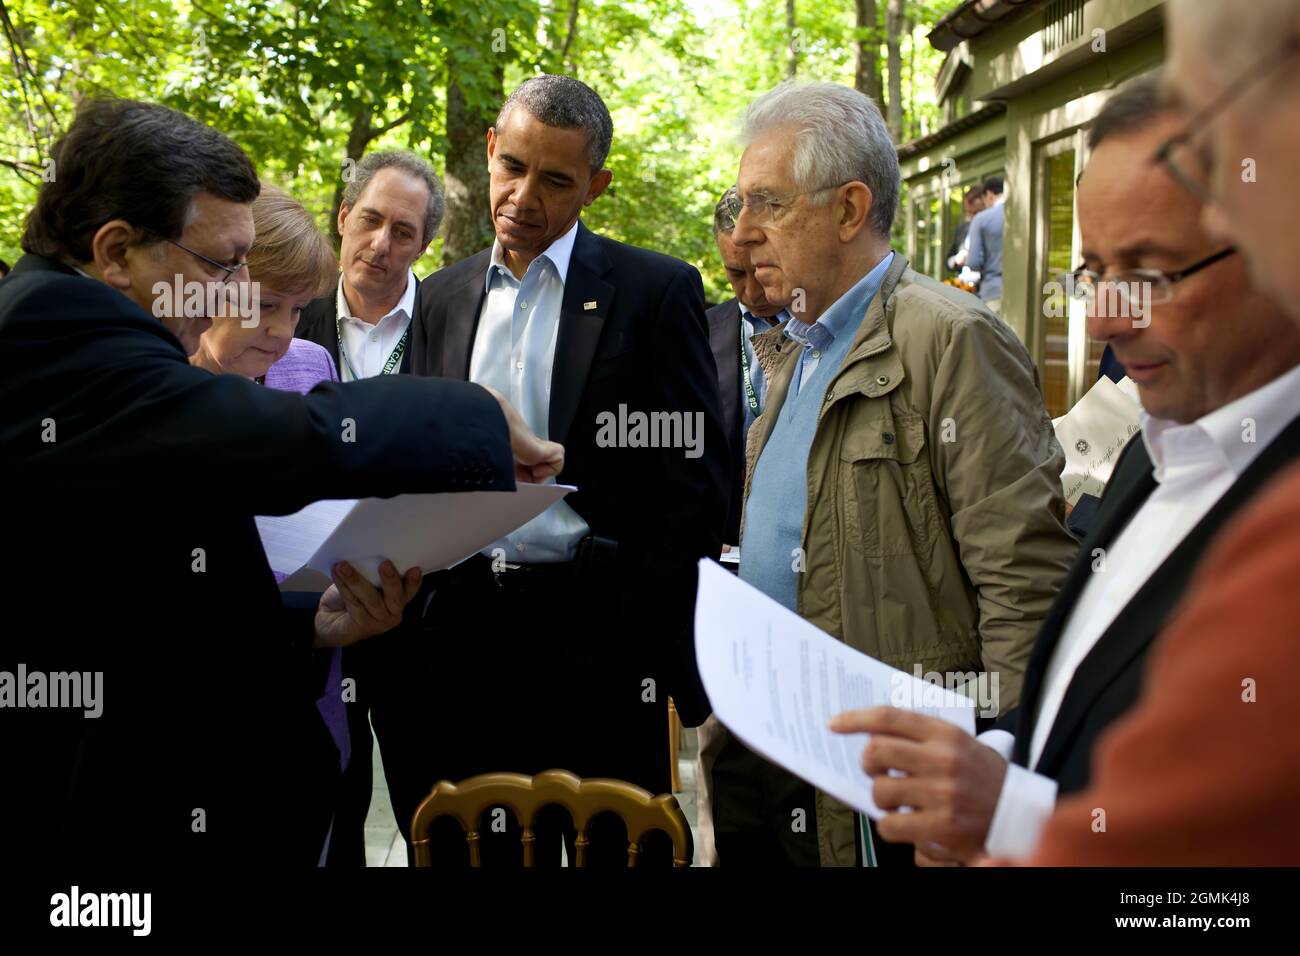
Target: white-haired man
[{"x": 904, "y": 417}]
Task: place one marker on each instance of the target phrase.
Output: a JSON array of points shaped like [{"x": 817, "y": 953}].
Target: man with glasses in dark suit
[
  {"x": 133, "y": 480},
  {"x": 1217, "y": 366}
]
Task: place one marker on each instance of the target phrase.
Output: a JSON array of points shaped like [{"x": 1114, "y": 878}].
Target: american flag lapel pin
[{"x": 589, "y": 306}]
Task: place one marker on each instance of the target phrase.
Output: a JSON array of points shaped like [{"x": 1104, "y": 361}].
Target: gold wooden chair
[
  {"x": 674, "y": 747},
  {"x": 465, "y": 801}
]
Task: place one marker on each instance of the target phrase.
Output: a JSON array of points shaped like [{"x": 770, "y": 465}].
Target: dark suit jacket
[
  {"x": 318, "y": 323},
  {"x": 724, "y": 340},
  {"x": 642, "y": 345},
  {"x": 1108, "y": 681},
  {"x": 132, "y": 479},
  {"x": 1109, "y": 366}
]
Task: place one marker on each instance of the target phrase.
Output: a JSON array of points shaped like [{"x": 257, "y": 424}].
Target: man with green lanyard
[
  {"x": 730, "y": 797},
  {"x": 392, "y": 207},
  {"x": 740, "y": 374}
]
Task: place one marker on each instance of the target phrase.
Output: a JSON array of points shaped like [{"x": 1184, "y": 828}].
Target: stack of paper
[
  {"x": 430, "y": 532},
  {"x": 775, "y": 681},
  {"x": 1093, "y": 433}
]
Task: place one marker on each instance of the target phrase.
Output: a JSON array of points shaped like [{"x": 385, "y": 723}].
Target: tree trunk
[
  {"x": 570, "y": 34},
  {"x": 894, "y": 16},
  {"x": 359, "y": 138},
  {"x": 792, "y": 50},
  {"x": 468, "y": 224},
  {"x": 913, "y": 129},
  {"x": 866, "y": 53}
]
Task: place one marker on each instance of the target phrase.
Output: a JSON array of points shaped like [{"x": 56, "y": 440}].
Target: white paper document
[
  {"x": 1092, "y": 434},
  {"x": 775, "y": 681},
  {"x": 431, "y": 532}
]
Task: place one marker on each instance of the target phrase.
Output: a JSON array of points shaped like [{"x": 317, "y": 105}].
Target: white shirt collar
[
  {"x": 405, "y": 305},
  {"x": 1261, "y": 415},
  {"x": 558, "y": 253}
]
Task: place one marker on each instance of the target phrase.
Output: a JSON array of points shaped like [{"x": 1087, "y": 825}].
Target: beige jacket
[{"x": 934, "y": 531}]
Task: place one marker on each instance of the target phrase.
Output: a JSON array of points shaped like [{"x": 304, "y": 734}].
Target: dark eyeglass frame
[
  {"x": 226, "y": 270},
  {"x": 1202, "y": 117},
  {"x": 1168, "y": 279}
]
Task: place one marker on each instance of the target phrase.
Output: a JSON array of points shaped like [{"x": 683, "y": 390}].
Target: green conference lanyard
[
  {"x": 868, "y": 845},
  {"x": 393, "y": 359},
  {"x": 744, "y": 367}
]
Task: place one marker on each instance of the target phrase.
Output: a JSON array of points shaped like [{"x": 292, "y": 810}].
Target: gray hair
[
  {"x": 565, "y": 103},
  {"x": 410, "y": 164},
  {"x": 722, "y": 218},
  {"x": 840, "y": 137},
  {"x": 1131, "y": 108}
]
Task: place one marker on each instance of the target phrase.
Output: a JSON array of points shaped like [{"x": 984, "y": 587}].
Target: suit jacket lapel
[
  {"x": 404, "y": 366},
  {"x": 460, "y": 317},
  {"x": 724, "y": 340},
  {"x": 1143, "y": 617},
  {"x": 318, "y": 324},
  {"x": 580, "y": 329},
  {"x": 1130, "y": 485}
]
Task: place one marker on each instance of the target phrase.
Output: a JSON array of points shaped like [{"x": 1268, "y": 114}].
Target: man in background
[
  {"x": 984, "y": 242},
  {"x": 971, "y": 203},
  {"x": 732, "y": 324}
]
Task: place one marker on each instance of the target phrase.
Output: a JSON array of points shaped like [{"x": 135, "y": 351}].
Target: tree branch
[
  {"x": 570, "y": 36},
  {"x": 404, "y": 118}
]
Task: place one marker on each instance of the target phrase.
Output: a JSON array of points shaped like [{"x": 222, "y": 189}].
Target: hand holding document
[
  {"x": 775, "y": 681},
  {"x": 431, "y": 532},
  {"x": 1093, "y": 433}
]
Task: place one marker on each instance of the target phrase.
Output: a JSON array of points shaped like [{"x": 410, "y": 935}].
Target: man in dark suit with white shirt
[
  {"x": 1217, "y": 367},
  {"x": 391, "y": 210},
  {"x": 589, "y": 337}
]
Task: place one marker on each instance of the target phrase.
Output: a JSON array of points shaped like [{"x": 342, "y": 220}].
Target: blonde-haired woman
[{"x": 291, "y": 263}]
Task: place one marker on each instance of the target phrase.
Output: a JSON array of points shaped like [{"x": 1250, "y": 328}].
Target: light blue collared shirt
[
  {"x": 514, "y": 352},
  {"x": 844, "y": 312},
  {"x": 778, "y": 493}
]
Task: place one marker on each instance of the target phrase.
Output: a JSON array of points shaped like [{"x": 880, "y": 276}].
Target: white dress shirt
[
  {"x": 366, "y": 347},
  {"x": 1194, "y": 465},
  {"x": 514, "y": 352}
]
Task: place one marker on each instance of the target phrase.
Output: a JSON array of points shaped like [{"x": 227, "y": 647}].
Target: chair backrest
[{"x": 640, "y": 811}]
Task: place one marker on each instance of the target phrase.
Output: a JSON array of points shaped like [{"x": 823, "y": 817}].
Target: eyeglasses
[
  {"x": 1190, "y": 162},
  {"x": 225, "y": 269},
  {"x": 765, "y": 209},
  {"x": 1133, "y": 291}
]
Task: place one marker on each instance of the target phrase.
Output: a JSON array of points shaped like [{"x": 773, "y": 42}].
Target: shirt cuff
[
  {"x": 1000, "y": 741},
  {"x": 1024, "y": 806}
]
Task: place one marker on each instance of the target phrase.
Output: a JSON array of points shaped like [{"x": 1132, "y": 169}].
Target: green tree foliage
[{"x": 304, "y": 85}]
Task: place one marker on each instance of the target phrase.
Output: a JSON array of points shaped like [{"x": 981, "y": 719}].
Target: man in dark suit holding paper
[
  {"x": 1217, "y": 367},
  {"x": 144, "y": 473},
  {"x": 604, "y": 347}
]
